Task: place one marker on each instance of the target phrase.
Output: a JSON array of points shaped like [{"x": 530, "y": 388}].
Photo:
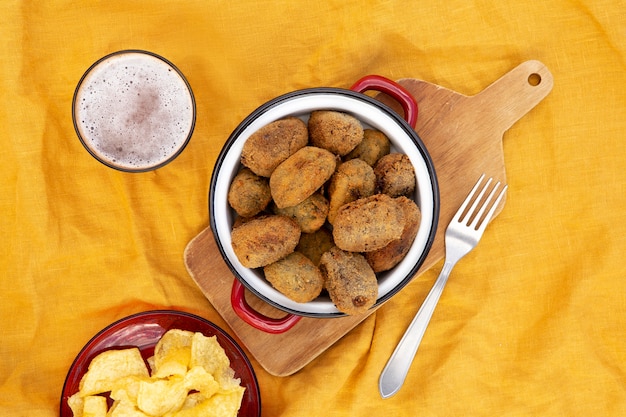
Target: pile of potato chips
[{"x": 189, "y": 375}]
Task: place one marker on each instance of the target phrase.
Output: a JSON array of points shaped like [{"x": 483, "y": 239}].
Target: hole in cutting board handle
[{"x": 534, "y": 79}]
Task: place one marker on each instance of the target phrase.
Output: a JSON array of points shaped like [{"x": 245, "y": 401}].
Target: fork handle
[{"x": 397, "y": 368}]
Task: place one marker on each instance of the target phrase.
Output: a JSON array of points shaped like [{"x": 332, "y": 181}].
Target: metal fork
[{"x": 462, "y": 235}]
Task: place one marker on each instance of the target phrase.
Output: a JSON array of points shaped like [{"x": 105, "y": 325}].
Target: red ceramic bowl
[{"x": 143, "y": 330}]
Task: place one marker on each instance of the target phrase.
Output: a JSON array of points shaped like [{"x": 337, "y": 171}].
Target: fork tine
[
  {"x": 470, "y": 213},
  {"x": 484, "y": 206},
  {"x": 461, "y": 210},
  {"x": 474, "y": 219},
  {"x": 463, "y": 215},
  {"x": 492, "y": 210}
]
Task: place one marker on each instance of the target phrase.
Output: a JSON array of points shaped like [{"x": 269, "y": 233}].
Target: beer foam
[{"x": 134, "y": 111}]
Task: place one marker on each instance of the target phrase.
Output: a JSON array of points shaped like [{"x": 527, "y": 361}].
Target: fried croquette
[
  {"x": 264, "y": 240},
  {"x": 313, "y": 245},
  {"x": 300, "y": 175},
  {"x": 241, "y": 220},
  {"x": 374, "y": 146},
  {"x": 351, "y": 181},
  {"x": 368, "y": 224},
  {"x": 310, "y": 214},
  {"x": 350, "y": 281},
  {"x": 296, "y": 277},
  {"x": 389, "y": 256},
  {"x": 395, "y": 175},
  {"x": 266, "y": 148},
  {"x": 249, "y": 194},
  {"x": 337, "y": 132}
]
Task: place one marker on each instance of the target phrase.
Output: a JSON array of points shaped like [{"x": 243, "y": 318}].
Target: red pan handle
[
  {"x": 393, "y": 89},
  {"x": 256, "y": 319}
]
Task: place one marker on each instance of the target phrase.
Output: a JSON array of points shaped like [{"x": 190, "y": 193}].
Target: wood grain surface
[{"x": 463, "y": 135}]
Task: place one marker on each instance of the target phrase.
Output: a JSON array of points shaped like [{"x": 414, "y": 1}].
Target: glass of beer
[{"x": 134, "y": 111}]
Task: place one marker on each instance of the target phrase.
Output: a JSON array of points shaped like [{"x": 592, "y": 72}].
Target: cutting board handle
[{"x": 516, "y": 93}]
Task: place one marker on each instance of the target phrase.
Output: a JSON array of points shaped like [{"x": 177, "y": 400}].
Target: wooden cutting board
[{"x": 463, "y": 135}]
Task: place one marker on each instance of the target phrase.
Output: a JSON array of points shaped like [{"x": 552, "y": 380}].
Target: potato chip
[
  {"x": 198, "y": 379},
  {"x": 194, "y": 399},
  {"x": 110, "y": 366},
  {"x": 95, "y": 406},
  {"x": 190, "y": 376},
  {"x": 127, "y": 389},
  {"x": 160, "y": 396},
  {"x": 207, "y": 353},
  {"x": 76, "y": 403},
  {"x": 219, "y": 405},
  {"x": 172, "y": 353},
  {"x": 151, "y": 365},
  {"x": 125, "y": 409},
  {"x": 89, "y": 406}
]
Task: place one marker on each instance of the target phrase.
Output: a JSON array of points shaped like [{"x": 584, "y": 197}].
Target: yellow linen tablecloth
[{"x": 531, "y": 323}]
